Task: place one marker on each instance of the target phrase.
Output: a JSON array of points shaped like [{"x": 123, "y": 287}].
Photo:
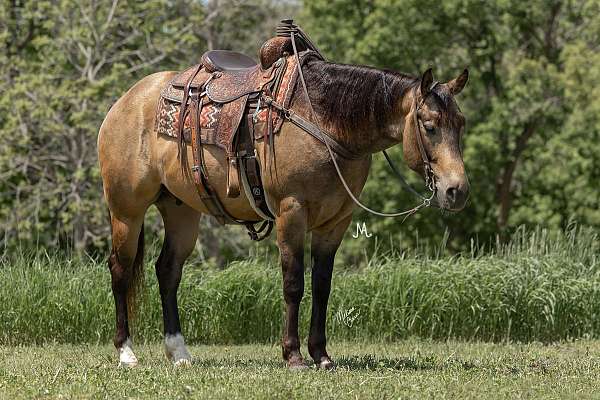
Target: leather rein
[{"x": 334, "y": 147}]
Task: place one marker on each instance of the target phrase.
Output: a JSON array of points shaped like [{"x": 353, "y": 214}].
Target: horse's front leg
[
  {"x": 291, "y": 230},
  {"x": 323, "y": 248}
]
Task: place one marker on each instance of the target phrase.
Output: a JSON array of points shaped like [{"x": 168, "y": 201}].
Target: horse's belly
[{"x": 182, "y": 185}]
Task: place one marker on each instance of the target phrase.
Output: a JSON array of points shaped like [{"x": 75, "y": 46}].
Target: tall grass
[{"x": 538, "y": 287}]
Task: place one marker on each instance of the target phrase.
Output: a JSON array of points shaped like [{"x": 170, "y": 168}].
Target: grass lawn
[{"x": 409, "y": 369}]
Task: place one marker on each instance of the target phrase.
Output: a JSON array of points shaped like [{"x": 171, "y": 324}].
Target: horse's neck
[
  {"x": 371, "y": 138},
  {"x": 369, "y": 135}
]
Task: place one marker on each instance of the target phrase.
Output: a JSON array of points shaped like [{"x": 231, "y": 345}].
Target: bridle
[
  {"x": 428, "y": 171},
  {"x": 313, "y": 129}
]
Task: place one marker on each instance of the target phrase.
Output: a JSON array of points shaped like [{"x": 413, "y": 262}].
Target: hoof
[
  {"x": 182, "y": 363},
  {"x": 326, "y": 364},
  {"x": 296, "y": 363},
  {"x": 176, "y": 350},
  {"x": 127, "y": 358},
  {"x": 297, "y": 367}
]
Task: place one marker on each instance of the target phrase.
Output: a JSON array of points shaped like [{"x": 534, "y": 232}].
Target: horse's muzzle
[{"x": 452, "y": 193}]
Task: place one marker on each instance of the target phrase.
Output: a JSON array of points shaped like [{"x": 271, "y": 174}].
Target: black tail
[{"x": 136, "y": 283}]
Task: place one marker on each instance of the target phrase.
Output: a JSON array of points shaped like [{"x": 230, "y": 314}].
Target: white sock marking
[
  {"x": 126, "y": 356},
  {"x": 176, "y": 350}
]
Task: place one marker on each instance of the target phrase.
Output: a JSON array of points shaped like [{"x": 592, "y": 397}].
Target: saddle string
[
  {"x": 183, "y": 111},
  {"x": 430, "y": 177}
]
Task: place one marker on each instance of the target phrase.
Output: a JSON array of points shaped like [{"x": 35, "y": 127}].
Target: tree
[
  {"x": 521, "y": 103},
  {"x": 74, "y": 59}
]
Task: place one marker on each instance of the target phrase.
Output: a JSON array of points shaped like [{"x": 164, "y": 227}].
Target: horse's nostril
[{"x": 451, "y": 193}]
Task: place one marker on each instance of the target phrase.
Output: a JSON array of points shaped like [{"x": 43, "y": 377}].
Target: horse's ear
[
  {"x": 426, "y": 81},
  {"x": 457, "y": 85}
]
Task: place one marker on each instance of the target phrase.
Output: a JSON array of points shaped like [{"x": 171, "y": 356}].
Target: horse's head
[{"x": 440, "y": 125}]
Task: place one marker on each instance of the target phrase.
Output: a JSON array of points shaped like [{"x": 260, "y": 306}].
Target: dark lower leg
[
  {"x": 293, "y": 290},
  {"x": 291, "y": 231},
  {"x": 321, "y": 287},
  {"x": 168, "y": 272},
  {"x": 120, "y": 284},
  {"x": 181, "y": 232},
  {"x": 323, "y": 248},
  {"x": 126, "y": 256}
]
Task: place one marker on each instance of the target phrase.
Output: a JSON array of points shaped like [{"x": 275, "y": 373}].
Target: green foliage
[
  {"x": 539, "y": 287},
  {"x": 74, "y": 59},
  {"x": 531, "y": 147}
]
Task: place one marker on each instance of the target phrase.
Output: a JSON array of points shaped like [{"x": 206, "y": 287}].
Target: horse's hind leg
[
  {"x": 323, "y": 248},
  {"x": 126, "y": 267},
  {"x": 181, "y": 231}
]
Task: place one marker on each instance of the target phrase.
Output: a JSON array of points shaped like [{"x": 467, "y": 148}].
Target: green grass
[
  {"x": 413, "y": 369},
  {"x": 415, "y": 330},
  {"x": 534, "y": 289}
]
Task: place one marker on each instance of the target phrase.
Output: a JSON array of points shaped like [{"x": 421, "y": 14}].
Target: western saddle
[{"x": 218, "y": 102}]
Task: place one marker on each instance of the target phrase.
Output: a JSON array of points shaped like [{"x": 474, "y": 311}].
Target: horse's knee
[
  {"x": 119, "y": 271},
  {"x": 293, "y": 279},
  {"x": 293, "y": 291},
  {"x": 321, "y": 281}
]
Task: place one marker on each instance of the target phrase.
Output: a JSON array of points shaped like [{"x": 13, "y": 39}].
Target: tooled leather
[
  {"x": 181, "y": 79},
  {"x": 273, "y": 49},
  {"x": 229, "y": 121},
  {"x": 223, "y": 87},
  {"x": 228, "y": 86}
]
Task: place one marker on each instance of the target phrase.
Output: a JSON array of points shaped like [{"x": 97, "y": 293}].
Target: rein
[{"x": 314, "y": 130}]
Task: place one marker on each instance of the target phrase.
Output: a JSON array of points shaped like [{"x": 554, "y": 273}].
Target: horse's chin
[{"x": 447, "y": 207}]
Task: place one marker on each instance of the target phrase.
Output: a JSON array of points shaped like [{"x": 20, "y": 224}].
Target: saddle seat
[
  {"x": 226, "y": 61},
  {"x": 222, "y": 86}
]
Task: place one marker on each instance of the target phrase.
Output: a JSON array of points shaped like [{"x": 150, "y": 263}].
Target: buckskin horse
[{"x": 298, "y": 133}]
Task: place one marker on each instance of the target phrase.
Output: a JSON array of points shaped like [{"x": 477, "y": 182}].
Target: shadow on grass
[
  {"x": 237, "y": 363},
  {"x": 371, "y": 362},
  {"x": 367, "y": 362}
]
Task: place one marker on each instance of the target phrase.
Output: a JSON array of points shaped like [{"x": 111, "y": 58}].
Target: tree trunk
[{"x": 504, "y": 192}]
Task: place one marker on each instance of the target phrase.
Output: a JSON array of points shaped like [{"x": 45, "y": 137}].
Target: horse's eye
[{"x": 429, "y": 126}]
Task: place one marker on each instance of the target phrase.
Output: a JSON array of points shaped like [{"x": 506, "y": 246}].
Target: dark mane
[{"x": 351, "y": 97}]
